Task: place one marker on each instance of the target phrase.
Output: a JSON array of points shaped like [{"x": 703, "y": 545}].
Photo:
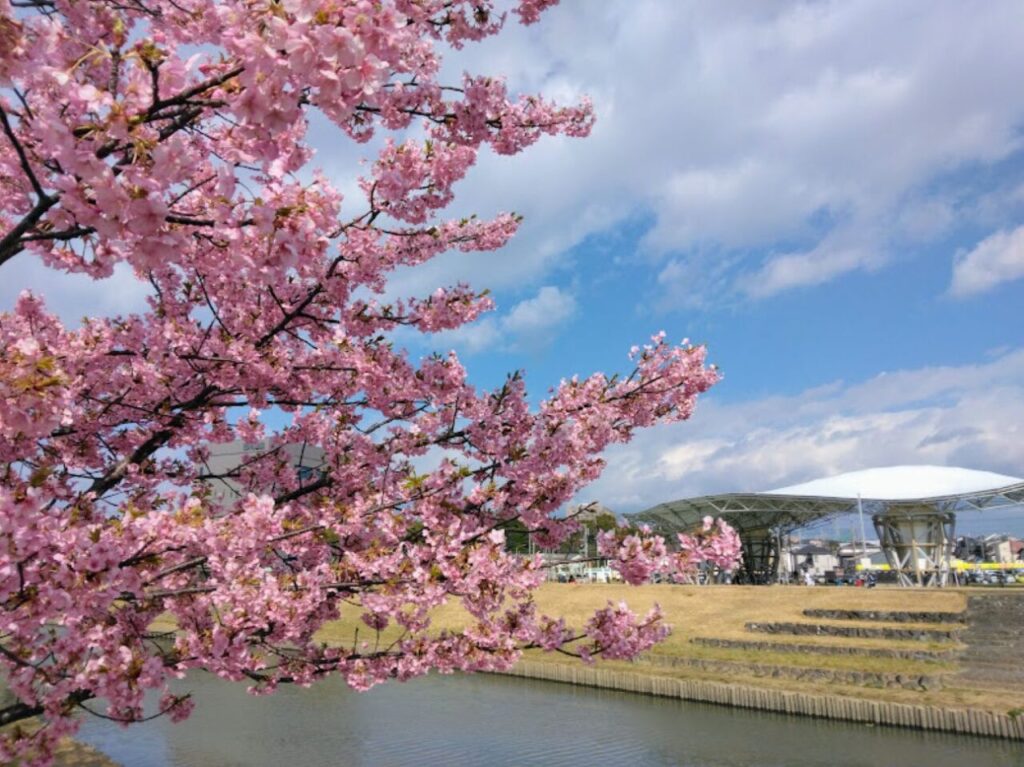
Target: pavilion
[{"x": 913, "y": 509}]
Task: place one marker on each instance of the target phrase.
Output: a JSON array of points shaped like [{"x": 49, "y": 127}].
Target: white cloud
[
  {"x": 997, "y": 259},
  {"x": 73, "y": 296},
  {"x": 696, "y": 280},
  {"x": 926, "y": 219},
  {"x": 677, "y": 462},
  {"x": 813, "y": 267},
  {"x": 969, "y": 416},
  {"x": 743, "y": 126},
  {"x": 854, "y": 245},
  {"x": 530, "y": 325},
  {"x": 482, "y": 335},
  {"x": 701, "y": 205},
  {"x": 810, "y": 130},
  {"x": 534, "y": 316}
]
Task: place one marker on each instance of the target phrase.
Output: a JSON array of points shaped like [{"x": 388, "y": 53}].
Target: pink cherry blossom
[
  {"x": 171, "y": 136},
  {"x": 638, "y": 556}
]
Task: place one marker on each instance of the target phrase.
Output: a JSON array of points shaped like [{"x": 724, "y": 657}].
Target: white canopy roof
[
  {"x": 898, "y": 483},
  {"x": 941, "y": 487}
]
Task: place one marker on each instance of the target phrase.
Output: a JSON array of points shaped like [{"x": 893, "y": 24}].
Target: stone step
[
  {"x": 828, "y": 649},
  {"x": 888, "y": 616},
  {"x": 992, "y": 652},
  {"x": 864, "y": 632},
  {"x": 997, "y": 635},
  {"x": 1003, "y": 656},
  {"x": 1007, "y": 663},
  {"x": 995, "y": 670},
  {"x": 856, "y": 678},
  {"x": 1008, "y": 648},
  {"x": 983, "y": 686},
  {"x": 987, "y": 679}
]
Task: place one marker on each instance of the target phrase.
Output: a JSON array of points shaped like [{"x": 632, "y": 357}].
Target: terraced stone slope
[{"x": 994, "y": 636}]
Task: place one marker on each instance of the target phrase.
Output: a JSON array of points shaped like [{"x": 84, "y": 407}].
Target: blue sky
[{"x": 829, "y": 194}]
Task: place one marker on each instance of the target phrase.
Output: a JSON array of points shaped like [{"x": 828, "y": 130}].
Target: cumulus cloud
[
  {"x": 534, "y": 316},
  {"x": 73, "y": 296},
  {"x": 967, "y": 415},
  {"x": 997, "y": 259},
  {"x": 746, "y": 128},
  {"x": 813, "y": 267},
  {"x": 734, "y": 127},
  {"x": 529, "y": 325},
  {"x": 737, "y": 129},
  {"x": 482, "y": 335}
]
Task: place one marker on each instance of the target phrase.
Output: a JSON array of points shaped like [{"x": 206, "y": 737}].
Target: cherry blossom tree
[
  {"x": 170, "y": 136},
  {"x": 715, "y": 547}
]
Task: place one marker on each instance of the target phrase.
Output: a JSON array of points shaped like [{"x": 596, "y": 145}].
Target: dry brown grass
[
  {"x": 69, "y": 753},
  {"x": 723, "y": 611},
  {"x": 706, "y": 611}
]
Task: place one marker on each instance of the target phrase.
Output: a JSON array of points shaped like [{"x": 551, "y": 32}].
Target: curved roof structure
[
  {"x": 891, "y": 488},
  {"x": 897, "y": 483}
]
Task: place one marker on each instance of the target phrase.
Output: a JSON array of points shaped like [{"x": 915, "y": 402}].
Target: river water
[{"x": 490, "y": 720}]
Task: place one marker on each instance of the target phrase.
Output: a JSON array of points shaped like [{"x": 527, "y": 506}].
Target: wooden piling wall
[{"x": 964, "y": 721}]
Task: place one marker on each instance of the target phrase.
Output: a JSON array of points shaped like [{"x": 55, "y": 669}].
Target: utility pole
[{"x": 863, "y": 535}]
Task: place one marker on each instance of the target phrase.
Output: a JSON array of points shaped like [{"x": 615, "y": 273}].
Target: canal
[{"x": 491, "y": 720}]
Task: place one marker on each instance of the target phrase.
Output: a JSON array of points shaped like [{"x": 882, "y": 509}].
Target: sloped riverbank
[{"x": 935, "y": 660}]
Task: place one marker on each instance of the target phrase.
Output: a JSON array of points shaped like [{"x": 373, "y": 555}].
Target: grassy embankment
[
  {"x": 723, "y": 611},
  {"x": 71, "y": 753}
]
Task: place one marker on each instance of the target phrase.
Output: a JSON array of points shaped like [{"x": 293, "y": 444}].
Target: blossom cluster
[
  {"x": 171, "y": 136},
  {"x": 715, "y": 544},
  {"x": 638, "y": 555}
]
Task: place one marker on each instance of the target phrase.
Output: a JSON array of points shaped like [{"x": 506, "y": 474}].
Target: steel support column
[
  {"x": 918, "y": 543},
  {"x": 760, "y": 557}
]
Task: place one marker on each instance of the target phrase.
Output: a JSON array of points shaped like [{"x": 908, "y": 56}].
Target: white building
[{"x": 228, "y": 461}]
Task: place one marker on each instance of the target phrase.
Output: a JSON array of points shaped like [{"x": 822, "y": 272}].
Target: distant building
[
  {"x": 989, "y": 548},
  {"x": 817, "y": 556},
  {"x": 1017, "y": 548},
  {"x": 589, "y": 512},
  {"x": 228, "y": 460},
  {"x": 864, "y": 555}
]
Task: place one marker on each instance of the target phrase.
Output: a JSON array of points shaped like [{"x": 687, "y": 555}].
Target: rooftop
[
  {"x": 901, "y": 483},
  {"x": 788, "y": 508}
]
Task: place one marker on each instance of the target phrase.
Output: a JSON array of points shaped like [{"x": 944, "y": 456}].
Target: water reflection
[{"x": 485, "y": 720}]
